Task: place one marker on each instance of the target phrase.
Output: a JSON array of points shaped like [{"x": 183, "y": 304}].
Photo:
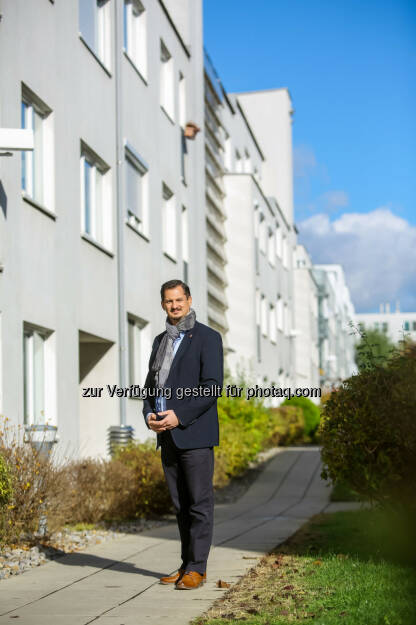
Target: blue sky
[{"x": 351, "y": 71}]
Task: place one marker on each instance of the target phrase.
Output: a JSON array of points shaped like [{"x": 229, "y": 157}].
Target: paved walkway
[{"x": 117, "y": 582}]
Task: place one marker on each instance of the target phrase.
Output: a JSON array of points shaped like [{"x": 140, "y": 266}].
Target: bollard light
[{"x": 41, "y": 438}]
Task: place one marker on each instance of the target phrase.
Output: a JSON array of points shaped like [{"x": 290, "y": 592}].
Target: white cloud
[{"x": 377, "y": 251}]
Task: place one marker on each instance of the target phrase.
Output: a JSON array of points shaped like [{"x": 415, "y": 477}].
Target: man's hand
[{"x": 170, "y": 421}]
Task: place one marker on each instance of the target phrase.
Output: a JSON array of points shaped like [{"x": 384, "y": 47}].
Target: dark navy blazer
[{"x": 197, "y": 362}]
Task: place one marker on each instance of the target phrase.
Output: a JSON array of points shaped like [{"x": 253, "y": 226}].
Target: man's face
[{"x": 176, "y": 304}]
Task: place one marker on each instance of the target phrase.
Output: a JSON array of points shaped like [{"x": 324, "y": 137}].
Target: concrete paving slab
[{"x": 118, "y": 582}]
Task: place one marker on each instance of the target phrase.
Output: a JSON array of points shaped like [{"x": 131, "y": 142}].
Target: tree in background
[{"x": 373, "y": 347}]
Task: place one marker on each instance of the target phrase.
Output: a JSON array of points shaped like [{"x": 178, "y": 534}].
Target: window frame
[
  {"x": 41, "y": 159},
  {"x": 140, "y": 223},
  {"x": 135, "y": 34},
  {"x": 167, "y": 81},
  {"x": 169, "y": 225},
  {"x": 45, "y": 410},
  {"x": 100, "y": 219},
  {"x": 138, "y": 349},
  {"x": 100, "y": 45}
]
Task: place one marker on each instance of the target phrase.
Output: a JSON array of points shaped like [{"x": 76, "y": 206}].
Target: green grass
[{"x": 354, "y": 568}]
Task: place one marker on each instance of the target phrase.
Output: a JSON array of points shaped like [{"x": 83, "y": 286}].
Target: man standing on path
[{"x": 187, "y": 355}]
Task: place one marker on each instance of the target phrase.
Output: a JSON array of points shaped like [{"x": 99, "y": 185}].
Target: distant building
[
  {"x": 396, "y": 325},
  {"x": 335, "y": 335},
  {"x": 260, "y": 235},
  {"x": 306, "y": 321}
]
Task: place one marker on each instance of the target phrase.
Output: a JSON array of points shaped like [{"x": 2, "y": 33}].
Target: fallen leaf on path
[{"x": 222, "y": 584}]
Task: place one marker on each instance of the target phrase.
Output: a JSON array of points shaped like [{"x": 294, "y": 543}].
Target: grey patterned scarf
[{"x": 164, "y": 355}]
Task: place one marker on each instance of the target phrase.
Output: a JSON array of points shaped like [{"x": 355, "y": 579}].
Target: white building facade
[
  {"x": 306, "y": 321},
  {"x": 335, "y": 334},
  {"x": 260, "y": 236},
  {"x": 107, "y": 88},
  {"x": 396, "y": 325}
]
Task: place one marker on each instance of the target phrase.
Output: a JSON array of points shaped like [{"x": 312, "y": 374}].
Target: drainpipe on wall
[
  {"x": 120, "y": 215},
  {"x": 122, "y": 433}
]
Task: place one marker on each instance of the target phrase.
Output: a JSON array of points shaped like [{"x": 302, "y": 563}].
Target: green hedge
[
  {"x": 368, "y": 431},
  {"x": 310, "y": 411},
  {"x": 132, "y": 483}
]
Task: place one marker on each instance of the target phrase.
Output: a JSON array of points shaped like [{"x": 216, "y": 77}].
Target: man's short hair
[{"x": 172, "y": 284}]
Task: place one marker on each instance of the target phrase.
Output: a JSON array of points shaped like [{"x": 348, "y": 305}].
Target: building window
[
  {"x": 258, "y": 327},
  {"x": 271, "y": 247},
  {"x": 385, "y": 326},
  {"x": 166, "y": 81},
  {"x": 134, "y": 34},
  {"x": 263, "y": 315},
  {"x": 286, "y": 325},
  {"x": 39, "y": 375},
  {"x": 238, "y": 162},
  {"x": 38, "y": 165},
  {"x": 169, "y": 222},
  {"x": 279, "y": 313},
  {"x": 407, "y": 326},
  {"x": 185, "y": 244},
  {"x": 95, "y": 27},
  {"x": 262, "y": 234},
  {"x": 284, "y": 252},
  {"x": 256, "y": 217},
  {"x": 278, "y": 236},
  {"x": 139, "y": 347},
  {"x": 247, "y": 162},
  {"x": 137, "y": 192},
  {"x": 182, "y": 100},
  {"x": 227, "y": 152},
  {"x": 414, "y": 326},
  {"x": 95, "y": 198},
  {"x": 272, "y": 323}
]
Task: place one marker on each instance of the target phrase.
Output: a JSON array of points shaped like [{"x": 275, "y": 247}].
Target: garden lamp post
[{"x": 41, "y": 438}]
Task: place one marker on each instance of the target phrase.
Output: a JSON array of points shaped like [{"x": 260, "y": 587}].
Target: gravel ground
[{"x": 33, "y": 552}]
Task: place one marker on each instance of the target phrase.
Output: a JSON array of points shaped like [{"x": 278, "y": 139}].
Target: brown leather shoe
[
  {"x": 191, "y": 580},
  {"x": 172, "y": 579}
]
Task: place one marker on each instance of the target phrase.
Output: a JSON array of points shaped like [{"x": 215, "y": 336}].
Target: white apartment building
[
  {"x": 335, "y": 335},
  {"x": 121, "y": 193},
  {"x": 306, "y": 321},
  {"x": 215, "y": 101},
  {"x": 260, "y": 236},
  {"x": 396, "y": 325},
  {"x": 108, "y": 205}
]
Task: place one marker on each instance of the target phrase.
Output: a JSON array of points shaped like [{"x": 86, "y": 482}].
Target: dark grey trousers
[{"x": 189, "y": 474}]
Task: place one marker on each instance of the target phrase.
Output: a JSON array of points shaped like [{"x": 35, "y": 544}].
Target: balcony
[
  {"x": 214, "y": 198},
  {"x": 215, "y": 179},
  {"x": 218, "y": 295},
  {"x": 217, "y": 225},
  {"x": 217, "y": 318},
  {"x": 217, "y": 270},
  {"x": 216, "y": 248}
]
